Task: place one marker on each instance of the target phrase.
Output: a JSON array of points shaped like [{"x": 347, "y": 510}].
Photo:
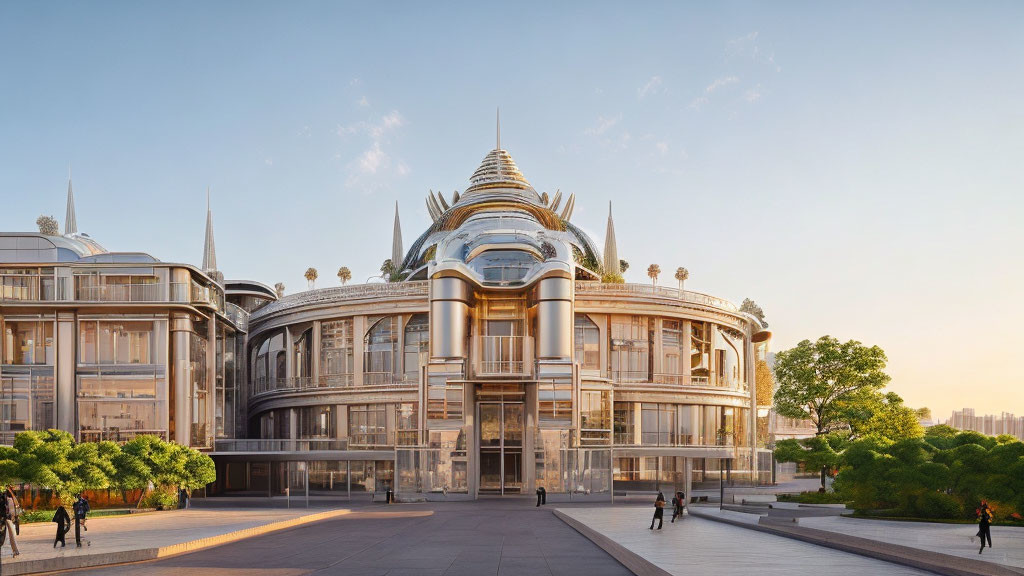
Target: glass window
[
  {"x": 367, "y": 424},
  {"x": 28, "y": 342},
  {"x": 201, "y": 431},
  {"x": 595, "y": 416},
  {"x": 406, "y": 421},
  {"x": 728, "y": 359},
  {"x": 444, "y": 398},
  {"x": 622, "y": 423},
  {"x": 381, "y": 348},
  {"x": 26, "y": 401},
  {"x": 303, "y": 360},
  {"x": 315, "y": 422},
  {"x": 417, "y": 346},
  {"x": 630, "y": 345},
  {"x": 116, "y": 342},
  {"x": 587, "y": 343},
  {"x": 700, "y": 350},
  {"x": 674, "y": 358},
  {"x": 336, "y": 352},
  {"x": 554, "y": 400}
]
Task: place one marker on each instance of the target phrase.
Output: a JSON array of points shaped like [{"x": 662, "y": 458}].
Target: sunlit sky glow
[{"x": 856, "y": 169}]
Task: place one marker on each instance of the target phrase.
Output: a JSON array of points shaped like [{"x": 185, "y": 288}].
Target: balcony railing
[
  {"x": 27, "y": 287},
  {"x": 265, "y": 385},
  {"x": 353, "y": 292},
  {"x": 120, "y": 293},
  {"x": 502, "y": 355},
  {"x": 236, "y": 445},
  {"x": 657, "y": 291},
  {"x": 680, "y": 380},
  {"x": 117, "y": 435}
]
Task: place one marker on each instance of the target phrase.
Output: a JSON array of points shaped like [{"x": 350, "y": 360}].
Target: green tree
[
  {"x": 827, "y": 382},
  {"x": 199, "y": 470},
  {"x": 893, "y": 420},
  {"x": 821, "y": 452},
  {"x": 130, "y": 472},
  {"x": 52, "y": 459}
]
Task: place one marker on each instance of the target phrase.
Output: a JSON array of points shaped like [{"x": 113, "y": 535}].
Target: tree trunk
[{"x": 824, "y": 470}]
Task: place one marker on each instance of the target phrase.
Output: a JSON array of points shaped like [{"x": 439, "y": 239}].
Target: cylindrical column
[
  {"x": 449, "y": 314},
  {"x": 66, "y": 363},
  {"x": 181, "y": 382},
  {"x": 554, "y": 318}
]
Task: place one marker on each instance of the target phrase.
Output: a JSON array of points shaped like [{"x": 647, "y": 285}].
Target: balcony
[
  {"x": 504, "y": 355},
  {"x": 662, "y": 292},
  {"x": 680, "y": 380},
  {"x": 27, "y": 287},
  {"x": 120, "y": 293},
  {"x": 266, "y": 385},
  {"x": 280, "y": 445}
]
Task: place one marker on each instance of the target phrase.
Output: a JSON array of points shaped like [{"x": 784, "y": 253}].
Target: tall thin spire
[
  {"x": 396, "y": 243},
  {"x": 70, "y": 223},
  {"x": 209, "y": 250},
  {"x": 497, "y": 146},
  {"x": 611, "y": 252}
]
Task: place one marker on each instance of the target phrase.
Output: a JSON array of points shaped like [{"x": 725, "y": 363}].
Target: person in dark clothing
[
  {"x": 80, "y": 508},
  {"x": 63, "y": 520},
  {"x": 677, "y": 506},
  {"x": 984, "y": 523},
  {"x": 659, "y": 511},
  {"x": 542, "y": 496}
]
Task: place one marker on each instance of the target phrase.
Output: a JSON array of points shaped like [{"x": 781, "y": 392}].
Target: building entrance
[{"x": 501, "y": 447}]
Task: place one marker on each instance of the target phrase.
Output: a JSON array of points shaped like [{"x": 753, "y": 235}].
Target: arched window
[
  {"x": 381, "y": 347},
  {"x": 587, "y": 343},
  {"x": 417, "y": 346}
]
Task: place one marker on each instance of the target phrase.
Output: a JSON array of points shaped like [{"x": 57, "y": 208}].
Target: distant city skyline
[
  {"x": 1004, "y": 423},
  {"x": 855, "y": 171}
]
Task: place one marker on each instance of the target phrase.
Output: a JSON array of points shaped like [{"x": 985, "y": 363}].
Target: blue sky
[{"x": 857, "y": 169}]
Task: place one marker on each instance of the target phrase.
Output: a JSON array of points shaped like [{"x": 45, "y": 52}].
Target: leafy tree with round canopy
[
  {"x": 751, "y": 307},
  {"x": 52, "y": 459},
  {"x": 828, "y": 381},
  {"x": 48, "y": 225}
]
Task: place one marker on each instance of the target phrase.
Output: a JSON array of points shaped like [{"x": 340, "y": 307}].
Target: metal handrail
[
  {"x": 502, "y": 354},
  {"x": 280, "y": 445},
  {"x": 353, "y": 292}
]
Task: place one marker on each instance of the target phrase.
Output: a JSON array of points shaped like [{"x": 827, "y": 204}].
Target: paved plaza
[
  {"x": 1007, "y": 541},
  {"x": 500, "y": 537},
  {"x": 492, "y": 537},
  {"x": 698, "y": 546}
]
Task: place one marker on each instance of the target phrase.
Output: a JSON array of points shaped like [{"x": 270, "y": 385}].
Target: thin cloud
[
  {"x": 373, "y": 167},
  {"x": 720, "y": 83},
  {"x": 753, "y": 95},
  {"x": 651, "y": 87},
  {"x": 603, "y": 125},
  {"x": 363, "y": 102}
]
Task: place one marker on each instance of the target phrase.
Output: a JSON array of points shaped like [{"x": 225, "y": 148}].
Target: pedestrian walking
[
  {"x": 542, "y": 496},
  {"x": 63, "y": 520},
  {"x": 80, "y": 508},
  {"x": 10, "y": 511},
  {"x": 677, "y": 506},
  {"x": 659, "y": 511},
  {"x": 984, "y": 525}
]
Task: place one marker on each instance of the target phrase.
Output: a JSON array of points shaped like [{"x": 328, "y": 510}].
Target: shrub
[{"x": 161, "y": 500}]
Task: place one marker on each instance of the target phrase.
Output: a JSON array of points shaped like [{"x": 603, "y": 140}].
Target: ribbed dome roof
[{"x": 498, "y": 171}]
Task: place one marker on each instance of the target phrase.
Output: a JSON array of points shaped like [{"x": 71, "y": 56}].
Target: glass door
[{"x": 501, "y": 447}]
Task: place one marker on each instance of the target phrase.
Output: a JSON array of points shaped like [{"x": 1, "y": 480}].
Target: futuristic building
[{"x": 502, "y": 353}]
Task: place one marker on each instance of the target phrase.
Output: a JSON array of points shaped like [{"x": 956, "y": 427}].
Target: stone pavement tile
[
  {"x": 474, "y": 566},
  {"x": 415, "y": 572},
  {"x": 522, "y": 565}
]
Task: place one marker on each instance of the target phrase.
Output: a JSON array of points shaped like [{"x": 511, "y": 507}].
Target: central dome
[{"x": 498, "y": 172}]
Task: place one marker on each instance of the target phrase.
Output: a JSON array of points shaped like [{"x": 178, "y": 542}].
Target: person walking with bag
[
  {"x": 10, "y": 516},
  {"x": 63, "y": 520},
  {"x": 985, "y": 518},
  {"x": 659, "y": 511}
]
